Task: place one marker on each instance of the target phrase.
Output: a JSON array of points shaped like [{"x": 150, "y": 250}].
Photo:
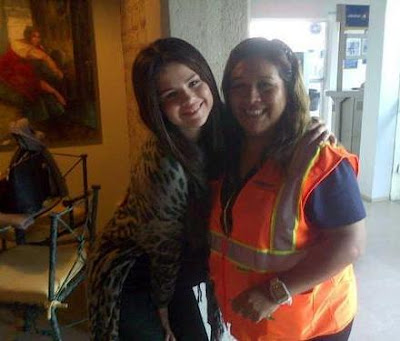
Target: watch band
[{"x": 279, "y": 292}]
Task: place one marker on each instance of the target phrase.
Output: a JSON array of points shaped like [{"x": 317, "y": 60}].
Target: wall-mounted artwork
[
  {"x": 350, "y": 64},
  {"x": 48, "y": 70},
  {"x": 353, "y": 47}
]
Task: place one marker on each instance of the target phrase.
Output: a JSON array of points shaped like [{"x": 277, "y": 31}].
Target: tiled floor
[{"x": 378, "y": 273}]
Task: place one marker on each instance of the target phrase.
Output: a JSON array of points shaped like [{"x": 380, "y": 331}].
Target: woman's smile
[
  {"x": 186, "y": 100},
  {"x": 258, "y": 96}
]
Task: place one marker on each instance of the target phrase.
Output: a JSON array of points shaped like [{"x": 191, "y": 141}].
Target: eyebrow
[
  {"x": 262, "y": 77},
  {"x": 191, "y": 77}
]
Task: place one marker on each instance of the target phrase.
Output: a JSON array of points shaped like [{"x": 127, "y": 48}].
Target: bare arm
[
  {"x": 333, "y": 252},
  {"x": 35, "y": 53},
  {"x": 163, "y": 313}
]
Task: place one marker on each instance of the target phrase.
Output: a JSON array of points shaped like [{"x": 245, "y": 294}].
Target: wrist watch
[{"x": 279, "y": 292}]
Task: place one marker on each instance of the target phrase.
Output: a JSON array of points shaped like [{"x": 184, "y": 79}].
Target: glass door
[{"x": 307, "y": 38}]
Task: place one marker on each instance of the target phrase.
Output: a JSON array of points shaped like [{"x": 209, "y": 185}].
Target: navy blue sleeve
[{"x": 337, "y": 200}]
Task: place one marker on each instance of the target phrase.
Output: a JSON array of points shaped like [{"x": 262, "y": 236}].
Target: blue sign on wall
[
  {"x": 357, "y": 15},
  {"x": 350, "y": 63}
]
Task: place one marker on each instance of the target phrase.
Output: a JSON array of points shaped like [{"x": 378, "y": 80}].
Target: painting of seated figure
[{"x": 48, "y": 71}]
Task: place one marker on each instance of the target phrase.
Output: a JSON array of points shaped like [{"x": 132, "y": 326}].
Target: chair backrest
[{"x": 33, "y": 174}]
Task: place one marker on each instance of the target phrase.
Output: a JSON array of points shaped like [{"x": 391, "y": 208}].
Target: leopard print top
[{"x": 149, "y": 221}]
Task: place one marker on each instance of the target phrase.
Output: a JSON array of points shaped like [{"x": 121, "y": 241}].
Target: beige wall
[{"x": 109, "y": 162}]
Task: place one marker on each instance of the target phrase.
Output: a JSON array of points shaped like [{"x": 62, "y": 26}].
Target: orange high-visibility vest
[{"x": 271, "y": 234}]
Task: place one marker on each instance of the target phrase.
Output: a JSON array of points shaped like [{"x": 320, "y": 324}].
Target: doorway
[{"x": 308, "y": 39}]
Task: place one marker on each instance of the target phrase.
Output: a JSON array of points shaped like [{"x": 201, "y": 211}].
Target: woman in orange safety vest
[{"x": 287, "y": 220}]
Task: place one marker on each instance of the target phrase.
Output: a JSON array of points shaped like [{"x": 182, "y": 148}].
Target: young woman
[
  {"x": 154, "y": 250},
  {"x": 287, "y": 220}
]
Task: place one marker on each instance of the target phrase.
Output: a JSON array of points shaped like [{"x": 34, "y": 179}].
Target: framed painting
[{"x": 48, "y": 71}]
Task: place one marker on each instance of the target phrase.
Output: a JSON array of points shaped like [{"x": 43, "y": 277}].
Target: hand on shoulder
[{"x": 306, "y": 148}]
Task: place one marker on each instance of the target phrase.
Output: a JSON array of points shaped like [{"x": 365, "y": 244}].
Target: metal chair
[
  {"x": 39, "y": 277},
  {"x": 36, "y": 185},
  {"x": 38, "y": 233}
]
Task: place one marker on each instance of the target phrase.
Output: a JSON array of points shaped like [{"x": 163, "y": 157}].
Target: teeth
[{"x": 254, "y": 112}]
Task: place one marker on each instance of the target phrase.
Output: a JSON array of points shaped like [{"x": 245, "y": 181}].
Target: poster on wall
[
  {"x": 48, "y": 71},
  {"x": 353, "y": 47},
  {"x": 350, "y": 64}
]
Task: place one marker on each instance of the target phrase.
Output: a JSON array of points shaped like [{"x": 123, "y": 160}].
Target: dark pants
[
  {"x": 139, "y": 318},
  {"x": 186, "y": 321},
  {"x": 341, "y": 336}
]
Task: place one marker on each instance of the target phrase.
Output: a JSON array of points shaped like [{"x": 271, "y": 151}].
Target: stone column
[
  {"x": 141, "y": 24},
  {"x": 212, "y": 26}
]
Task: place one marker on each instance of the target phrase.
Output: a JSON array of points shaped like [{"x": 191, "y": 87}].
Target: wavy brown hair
[{"x": 296, "y": 117}]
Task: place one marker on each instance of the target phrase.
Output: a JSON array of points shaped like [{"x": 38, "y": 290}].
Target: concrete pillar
[
  {"x": 380, "y": 100},
  {"x": 141, "y": 24},
  {"x": 212, "y": 26}
]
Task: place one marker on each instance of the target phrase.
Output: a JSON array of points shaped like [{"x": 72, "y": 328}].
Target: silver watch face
[{"x": 278, "y": 292}]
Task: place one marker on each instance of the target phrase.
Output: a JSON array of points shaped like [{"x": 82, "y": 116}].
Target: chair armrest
[
  {"x": 18, "y": 221},
  {"x": 71, "y": 201}
]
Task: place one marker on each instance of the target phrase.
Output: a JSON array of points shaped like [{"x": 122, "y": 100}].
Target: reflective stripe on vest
[
  {"x": 253, "y": 259},
  {"x": 286, "y": 211},
  {"x": 282, "y": 253}
]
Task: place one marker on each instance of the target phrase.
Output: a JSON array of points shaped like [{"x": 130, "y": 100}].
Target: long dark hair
[
  {"x": 295, "y": 118},
  {"x": 145, "y": 72}
]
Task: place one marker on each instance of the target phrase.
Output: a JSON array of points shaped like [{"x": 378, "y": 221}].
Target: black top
[{"x": 194, "y": 270}]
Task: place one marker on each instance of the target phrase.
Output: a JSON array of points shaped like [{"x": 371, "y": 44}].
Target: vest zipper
[
  {"x": 225, "y": 211},
  {"x": 224, "y": 247}
]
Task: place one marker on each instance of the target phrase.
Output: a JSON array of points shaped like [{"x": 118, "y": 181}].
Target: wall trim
[{"x": 369, "y": 199}]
